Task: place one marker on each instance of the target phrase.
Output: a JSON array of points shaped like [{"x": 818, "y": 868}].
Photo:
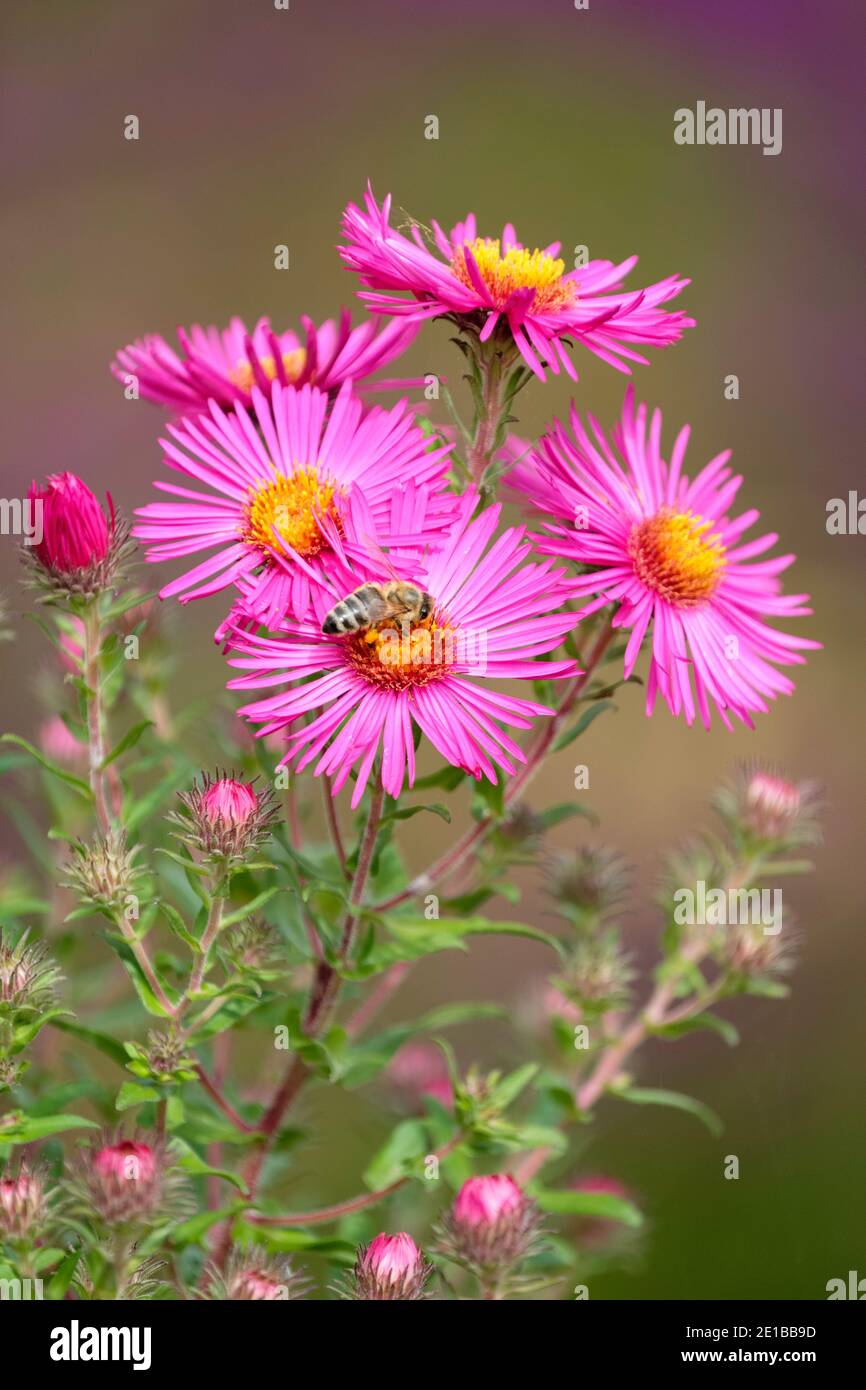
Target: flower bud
[
  {"x": 772, "y": 805},
  {"x": 483, "y": 1201},
  {"x": 28, "y": 976},
  {"x": 492, "y": 1223},
  {"x": 251, "y": 1276},
  {"x": 761, "y": 805},
  {"x": 124, "y": 1181},
  {"x": 104, "y": 873},
  {"x": 22, "y": 1203},
  {"x": 225, "y": 819},
  {"x": 79, "y": 546},
  {"x": 391, "y": 1267},
  {"x": 229, "y": 802},
  {"x": 75, "y": 532},
  {"x": 590, "y": 885}
]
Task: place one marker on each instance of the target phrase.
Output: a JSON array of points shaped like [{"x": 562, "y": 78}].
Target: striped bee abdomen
[{"x": 353, "y": 612}]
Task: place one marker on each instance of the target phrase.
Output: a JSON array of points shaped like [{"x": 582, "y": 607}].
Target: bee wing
[{"x": 375, "y": 551}]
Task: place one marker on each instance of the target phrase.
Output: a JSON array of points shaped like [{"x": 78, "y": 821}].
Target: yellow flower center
[
  {"x": 676, "y": 558},
  {"x": 518, "y": 269},
  {"x": 289, "y": 508},
  {"x": 294, "y": 362},
  {"x": 389, "y": 657}
]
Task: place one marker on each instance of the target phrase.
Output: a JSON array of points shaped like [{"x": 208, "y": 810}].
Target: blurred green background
[{"x": 257, "y": 126}]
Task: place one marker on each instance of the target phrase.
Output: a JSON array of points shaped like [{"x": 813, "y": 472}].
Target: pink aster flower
[
  {"x": 666, "y": 551},
  {"x": 491, "y": 614},
  {"x": 280, "y": 503},
  {"x": 498, "y": 285},
  {"x": 224, "y": 364}
]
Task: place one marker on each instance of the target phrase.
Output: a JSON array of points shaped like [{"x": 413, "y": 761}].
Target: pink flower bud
[
  {"x": 255, "y": 1285},
  {"x": 76, "y": 534},
  {"x": 126, "y": 1162},
  {"x": 226, "y": 819},
  {"x": 484, "y": 1201},
  {"x": 492, "y": 1224},
  {"x": 229, "y": 802},
  {"x": 22, "y": 1203},
  {"x": 125, "y": 1181},
  {"x": 391, "y": 1267},
  {"x": 772, "y": 805}
]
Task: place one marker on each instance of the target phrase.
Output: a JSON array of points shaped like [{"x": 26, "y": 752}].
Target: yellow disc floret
[
  {"x": 674, "y": 555},
  {"x": 294, "y": 363},
  {"x": 397, "y": 659},
  {"x": 518, "y": 269},
  {"x": 289, "y": 508}
]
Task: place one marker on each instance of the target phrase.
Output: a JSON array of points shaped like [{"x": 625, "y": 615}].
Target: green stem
[
  {"x": 95, "y": 717},
  {"x": 209, "y": 936}
]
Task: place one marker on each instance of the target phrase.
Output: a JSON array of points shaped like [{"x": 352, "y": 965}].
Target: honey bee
[{"x": 378, "y": 603}]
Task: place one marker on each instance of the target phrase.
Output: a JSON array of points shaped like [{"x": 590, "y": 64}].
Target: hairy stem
[{"x": 95, "y": 716}]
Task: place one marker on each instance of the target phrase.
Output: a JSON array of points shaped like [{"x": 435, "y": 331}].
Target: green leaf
[
  {"x": 488, "y": 800},
  {"x": 416, "y": 937},
  {"x": 596, "y": 1204},
  {"x": 582, "y": 724},
  {"x": 677, "y": 1101},
  {"x": 131, "y": 1094},
  {"x": 179, "y": 927},
  {"x": 554, "y": 815},
  {"x": 255, "y": 903},
  {"x": 26, "y": 1032},
  {"x": 407, "y": 812},
  {"x": 190, "y": 1232},
  {"x": 355, "y": 1063},
  {"x": 715, "y": 1024},
  {"x": 446, "y": 777},
  {"x": 75, "y": 782},
  {"x": 62, "y": 1277},
  {"x": 190, "y": 1162},
  {"x": 404, "y": 1146},
  {"x": 136, "y": 974},
  {"x": 25, "y": 1129},
  {"x": 509, "y": 1088},
  {"x": 46, "y": 1256},
  {"x": 110, "y": 1046},
  {"x": 130, "y": 738},
  {"x": 234, "y": 1009}
]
